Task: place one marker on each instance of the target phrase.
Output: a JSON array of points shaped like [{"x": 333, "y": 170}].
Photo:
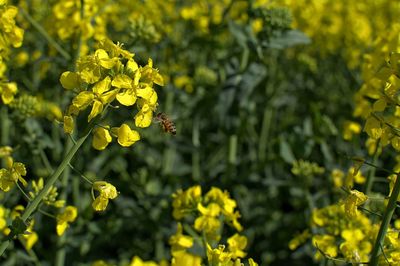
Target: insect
[{"x": 167, "y": 124}]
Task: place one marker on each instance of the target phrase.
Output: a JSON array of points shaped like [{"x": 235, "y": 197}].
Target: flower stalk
[
  {"x": 385, "y": 222},
  {"x": 33, "y": 205}
]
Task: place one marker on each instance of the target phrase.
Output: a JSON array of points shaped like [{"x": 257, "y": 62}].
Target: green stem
[
  {"x": 204, "y": 237},
  {"x": 53, "y": 178},
  {"x": 81, "y": 175},
  {"x": 61, "y": 252},
  {"x": 232, "y": 151},
  {"x": 264, "y": 135},
  {"x": 5, "y": 129},
  {"x": 371, "y": 173},
  {"x": 385, "y": 222},
  {"x": 43, "y": 32},
  {"x": 196, "y": 173}
]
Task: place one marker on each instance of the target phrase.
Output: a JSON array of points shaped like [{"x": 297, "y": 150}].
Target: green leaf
[
  {"x": 285, "y": 151},
  {"x": 288, "y": 39}
]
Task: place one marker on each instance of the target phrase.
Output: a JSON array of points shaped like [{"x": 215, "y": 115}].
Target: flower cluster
[
  {"x": 71, "y": 20},
  {"x": 331, "y": 24},
  {"x": 50, "y": 198},
  {"x": 111, "y": 74},
  {"x": 11, "y": 36},
  {"x": 348, "y": 238},
  {"x": 207, "y": 209},
  {"x": 208, "y": 213}
]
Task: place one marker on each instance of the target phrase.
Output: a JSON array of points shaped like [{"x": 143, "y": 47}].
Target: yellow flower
[
  {"x": 257, "y": 25},
  {"x": 126, "y": 136},
  {"x": 185, "y": 201},
  {"x": 63, "y": 219},
  {"x": 106, "y": 192},
  {"x": 100, "y": 96},
  {"x": 252, "y": 262},
  {"x": 136, "y": 261},
  {"x": 236, "y": 245},
  {"x": 91, "y": 67},
  {"x": 185, "y": 259},
  {"x": 127, "y": 93},
  {"x": 326, "y": 244},
  {"x": 14, "y": 174},
  {"x": 180, "y": 242},
  {"x": 30, "y": 237},
  {"x": 208, "y": 220},
  {"x": 68, "y": 124},
  {"x": 3, "y": 221},
  {"x": 70, "y": 80},
  {"x": 299, "y": 239},
  {"x": 354, "y": 248},
  {"x": 373, "y": 128},
  {"x": 218, "y": 256},
  {"x": 7, "y": 91},
  {"x": 351, "y": 128},
  {"x": 101, "y": 138},
  {"x": 337, "y": 176},
  {"x": 353, "y": 200}
]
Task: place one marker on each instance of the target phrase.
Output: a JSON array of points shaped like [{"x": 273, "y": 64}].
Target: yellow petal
[
  {"x": 83, "y": 99},
  {"x": 9, "y": 90},
  {"x": 131, "y": 65},
  {"x": 100, "y": 203},
  {"x": 31, "y": 239},
  {"x": 145, "y": 93},
  {"x": 101, "y": 138},
  {"x": 108, "y": 97},
  {"x": 143, "y": 119},
  {"x": 127, "y": 136},
  {"x": 68, "y": 124},
  {"x": 61, "y": 227},
  {"x": 122, "y": 81},
  {"x": 102, "y": 86},
  {"x": 158, "y": 79},
  {"x": 127, "y": 97},
  {"x": 69, "y": 80},
  {"x": 96, "y": 110}
]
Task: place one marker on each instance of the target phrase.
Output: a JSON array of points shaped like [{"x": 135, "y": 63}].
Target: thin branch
[
  {"x": 80, "y": 174},
  {"x": 23, "y": 192}
]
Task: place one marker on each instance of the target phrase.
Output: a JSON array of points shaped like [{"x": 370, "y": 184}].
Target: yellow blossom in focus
[
  {"x": 126, "y": 136},
  {"x": 106, "y": 192},
  {"x": 101, "y": 138}
]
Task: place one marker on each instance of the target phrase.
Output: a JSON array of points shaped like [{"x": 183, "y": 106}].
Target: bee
[{"x": 167, "y": 124}]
